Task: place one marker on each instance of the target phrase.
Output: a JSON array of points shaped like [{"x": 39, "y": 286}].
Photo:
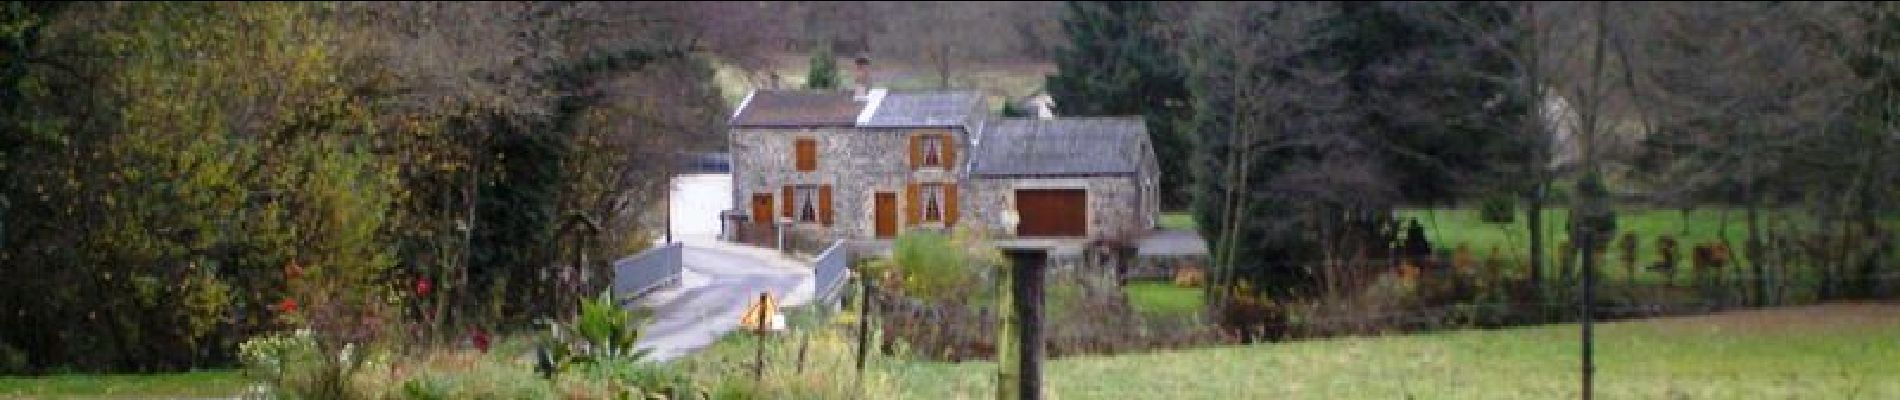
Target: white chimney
[{"x": 1044, "y": 106}]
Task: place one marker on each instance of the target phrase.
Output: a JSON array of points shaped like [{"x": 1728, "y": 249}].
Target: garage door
[{"x": 1052, "y": 212}]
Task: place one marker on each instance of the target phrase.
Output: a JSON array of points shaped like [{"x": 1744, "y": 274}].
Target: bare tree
[{"x": 1742, "y": 87}]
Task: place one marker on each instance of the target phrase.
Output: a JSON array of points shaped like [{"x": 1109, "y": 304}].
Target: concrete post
[{"x": 783, "y": 224}]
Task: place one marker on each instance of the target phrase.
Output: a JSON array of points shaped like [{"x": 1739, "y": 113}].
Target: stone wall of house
[
  {"x": 1116, "y": 206},
  {"x": 856, "y": 162}
]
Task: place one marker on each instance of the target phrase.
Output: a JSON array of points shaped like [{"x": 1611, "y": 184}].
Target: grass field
[
  {"x": 179, "y": 385},
  {"x": 1451, "y": 227},
  {"x": 1842, "y": 351},
  {"x": 1162, "y": 298}
]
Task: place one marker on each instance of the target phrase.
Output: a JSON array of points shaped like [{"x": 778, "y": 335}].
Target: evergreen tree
[
  {"x": 824, "y": 70},
  {"x": 1116, "y": 64},
  {"x": 1436, "y": 101}
]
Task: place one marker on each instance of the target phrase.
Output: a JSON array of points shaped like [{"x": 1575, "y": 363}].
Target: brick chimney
[{"x": 861, "y": 75}]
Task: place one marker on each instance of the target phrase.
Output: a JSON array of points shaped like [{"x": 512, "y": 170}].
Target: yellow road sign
[{"x": 763, "y": 309}]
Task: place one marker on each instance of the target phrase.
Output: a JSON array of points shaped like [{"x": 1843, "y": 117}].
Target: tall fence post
[
  {"x": 864, "y": 321},
  {"x": 758, "y": 361},
  {"x": 1589, "y": 301},
  {"x": 781, "y": 234}
]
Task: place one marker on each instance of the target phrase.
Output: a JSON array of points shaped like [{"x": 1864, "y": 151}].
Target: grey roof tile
[
  {"x": 936, "y": 108},
  {"x": 1060, "y": 146},
  {"x": 797, "y": 108}
]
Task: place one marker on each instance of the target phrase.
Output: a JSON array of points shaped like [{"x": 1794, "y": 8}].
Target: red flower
[
  {"x": 287, "y": 305},
  {"x": 422, "y": 287},
  {"x": 480, "y": 339}
]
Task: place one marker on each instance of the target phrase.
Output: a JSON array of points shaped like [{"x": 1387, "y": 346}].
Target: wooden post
[
  {"x": 1027, "y": 282},
  {"x": 804, "y": 341},
  {"x": 758, "y": 362},
  {"x": 864, "y": 321},
  {"x": 1008, "y": 369}
]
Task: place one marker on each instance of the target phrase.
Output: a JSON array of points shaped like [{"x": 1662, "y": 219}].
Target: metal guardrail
[
  {"x": 829, "y": 273},
  {"x": 635, "y": 276}
]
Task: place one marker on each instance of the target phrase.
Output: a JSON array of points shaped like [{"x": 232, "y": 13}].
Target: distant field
[
  {"x": 204, "y": 384},
  {"x": 1449, "y": 228},
  {"x": 998, "y": 79},
  {"x": 1163, "y": 298},
  {"x": 1843, "y": 351}
]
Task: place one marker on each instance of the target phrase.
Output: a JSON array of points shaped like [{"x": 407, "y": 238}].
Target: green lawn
[
  {"x": 1819, "y": 352},
  {"x": 1448, "y": 228},
  {"x": 1177, "y": 220},
  {"x": 1162, "y": 298},
  {"x": 188, "y": 384}
]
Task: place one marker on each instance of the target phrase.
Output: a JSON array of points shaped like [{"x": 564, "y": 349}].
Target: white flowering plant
[{"x": 266, "y": 357}]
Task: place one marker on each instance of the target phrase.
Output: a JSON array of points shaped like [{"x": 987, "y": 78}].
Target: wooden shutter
[
  {"x": 913, "y": 210},
  {"x": 790, "y": 203},
  {"x": 916, "y": 151},
  {"x": 805, "y": 154},
  {"x": 824, "y": 204},
  {"x": 949, "y": 155},
  {"x": 949, "y": 204}
]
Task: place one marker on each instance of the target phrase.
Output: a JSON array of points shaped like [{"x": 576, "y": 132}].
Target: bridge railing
[
  {"x": 635, "y": 276},
  {"x": 829, "y": 272}
]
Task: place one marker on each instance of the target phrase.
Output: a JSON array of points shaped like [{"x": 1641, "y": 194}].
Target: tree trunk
[
  {"x": 1753, "y": 250},
  {"x": 1535, "y": 222}
]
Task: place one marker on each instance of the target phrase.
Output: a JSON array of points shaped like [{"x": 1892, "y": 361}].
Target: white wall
[{"x": 696, "y": 203}]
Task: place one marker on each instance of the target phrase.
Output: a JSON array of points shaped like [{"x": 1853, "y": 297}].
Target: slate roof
[
  {"x": 787, "y": 108},
  {"x": 905, "y": 109},
  {"x": 1067, "y": 146}
]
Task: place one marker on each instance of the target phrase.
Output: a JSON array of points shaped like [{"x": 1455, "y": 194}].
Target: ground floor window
[
  {"x": 805, "y": 203},
  {"x": 932, "y": 197}
]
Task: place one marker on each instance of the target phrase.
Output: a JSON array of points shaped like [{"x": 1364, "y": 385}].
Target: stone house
[{"x": 870, "y": 163}]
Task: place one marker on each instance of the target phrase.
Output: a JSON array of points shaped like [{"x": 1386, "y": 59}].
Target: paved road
[{"x": 719, "y": 281}]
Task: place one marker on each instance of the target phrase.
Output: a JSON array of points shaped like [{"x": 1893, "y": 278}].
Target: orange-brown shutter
[
  {"x": 949, "y": 150},
  {"x": 916, "y": 151},
  {"x": 913, "y": 213},
  {"x": 790, "y": 203},
  {"x": 949, "y": 204},
  {"x": 805, "y": 154},
  {"x": 824, "y": 204}
]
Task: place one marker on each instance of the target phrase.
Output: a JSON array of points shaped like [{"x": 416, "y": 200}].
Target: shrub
[
  {"x": 294, "y": 364},
  {"x": 933, "y": 266},
  {"x": 602, "y": 332},
  {"x": 1498, "y": 210}
]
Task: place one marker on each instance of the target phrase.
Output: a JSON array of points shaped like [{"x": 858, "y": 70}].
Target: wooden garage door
[{"x": 1052, "y": 212}]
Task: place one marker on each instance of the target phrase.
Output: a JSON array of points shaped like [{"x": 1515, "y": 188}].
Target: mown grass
[
  {"x": 1162, "y": 298},
  {"x": 1177, "y": 221},
  {"x": 1448, "y": 228},
  {"x": 221, "y": 383},
  {"x": 1820, "y": 352}
]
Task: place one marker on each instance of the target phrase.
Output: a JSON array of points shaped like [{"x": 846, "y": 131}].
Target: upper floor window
[
  {"x": 933, "y": 150},
  {"x": 805, "y": 154}
]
